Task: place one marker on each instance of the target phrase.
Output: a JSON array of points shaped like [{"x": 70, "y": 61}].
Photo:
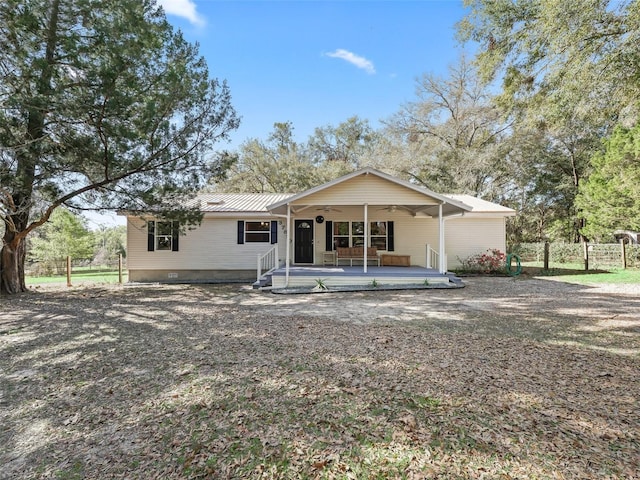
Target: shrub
[{"x": 491, "y": 261}]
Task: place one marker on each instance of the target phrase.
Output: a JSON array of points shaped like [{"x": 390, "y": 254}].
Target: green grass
[
  {"x": 611, "y": 276},
  {"x": 575, "y": 273},
  {"x": 96, "y": 276}
]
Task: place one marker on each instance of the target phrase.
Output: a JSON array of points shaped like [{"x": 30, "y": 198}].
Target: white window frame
[
  {"x": 351, "y": 236},
  {"x": 163, "y": 241},
  {"x": 248, "y": 232}
]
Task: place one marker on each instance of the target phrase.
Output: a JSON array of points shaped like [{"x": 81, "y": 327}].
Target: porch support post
[
  {"x": 288, "y": 247},
  {"x": 442, "y": 261},
  {"x": 366, "y": 235}
]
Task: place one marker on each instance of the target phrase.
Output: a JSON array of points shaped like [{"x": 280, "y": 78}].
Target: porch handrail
[
  {"x": 433, "y": 258},
  {"x": 267, "y": 261}
]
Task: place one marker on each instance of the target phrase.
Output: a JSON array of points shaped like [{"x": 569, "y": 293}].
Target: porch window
[
  {"x": 378, "y": 236},
  {"x": 257, "y": 232},
  {"x": 351, "y": 234},
  {"x": 341, "y": 234},
  {"x": 357, "y": 234}
]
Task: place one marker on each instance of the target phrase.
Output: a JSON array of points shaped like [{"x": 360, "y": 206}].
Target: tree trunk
[
  {"x": 12, "y": 258},
  {"x": 13, "y": 253}
]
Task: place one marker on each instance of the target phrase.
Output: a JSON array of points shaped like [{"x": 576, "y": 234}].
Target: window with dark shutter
[
  {"x": 274, "y": 232},
  {"x": 175, "y": 233},
  {"x": 390, "y": 242}
]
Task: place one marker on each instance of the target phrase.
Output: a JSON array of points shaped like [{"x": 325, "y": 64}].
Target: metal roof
[
  {"x": 480, "y": 206},
  {"x": 238, "y": 202}
]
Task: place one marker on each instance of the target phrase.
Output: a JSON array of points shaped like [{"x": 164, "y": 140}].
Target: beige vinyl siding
[
  {"x": 464, "y": 236},
  {"x": 211, "y": 246},
  {"x": 411, "y": 234},
  {"x": 366, "y": 189},
  {"x": 469, "y": 236}
]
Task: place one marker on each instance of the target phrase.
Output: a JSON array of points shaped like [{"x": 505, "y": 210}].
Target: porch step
[
  {"x": 265, "y": 281},
  {"x": 453, "y": 278}
]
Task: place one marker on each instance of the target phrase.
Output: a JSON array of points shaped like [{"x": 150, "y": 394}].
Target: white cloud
[
  {"x": 352, "y": 58},
  {"x": 183, "y": 8}
]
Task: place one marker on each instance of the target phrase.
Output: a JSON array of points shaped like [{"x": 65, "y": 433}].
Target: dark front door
[{"x": 304, "y": 241}]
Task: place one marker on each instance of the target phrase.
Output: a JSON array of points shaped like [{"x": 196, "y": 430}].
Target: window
[
  {"x": 351, "y": 234},
  {"x": 162, "y": 236},
  {"x": 257, "y": 232},
  {"x": 357, "y": 234},
  {"x": 341, "y": 234},
  {"x": 378, "y": 237}
]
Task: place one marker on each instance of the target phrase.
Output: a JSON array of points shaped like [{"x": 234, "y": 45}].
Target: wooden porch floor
[{"x": 308, "y": 275}]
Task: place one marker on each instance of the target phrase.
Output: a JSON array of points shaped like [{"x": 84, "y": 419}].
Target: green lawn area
[
  {"x": 575, "y": 273},
  {"x": 82, "y": 275}
]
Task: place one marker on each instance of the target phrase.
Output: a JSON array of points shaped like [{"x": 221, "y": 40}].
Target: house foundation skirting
[{"x": 192, "y": 276}]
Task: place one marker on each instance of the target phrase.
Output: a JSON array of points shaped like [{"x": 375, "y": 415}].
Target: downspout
[
  {"x": 366, "y": 234},
  {"x": 288, "y": 247}
]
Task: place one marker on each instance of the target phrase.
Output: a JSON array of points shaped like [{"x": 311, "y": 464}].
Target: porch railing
[
  {"x": 267, "y": 261},
  {"x": 433, "y": 258}
]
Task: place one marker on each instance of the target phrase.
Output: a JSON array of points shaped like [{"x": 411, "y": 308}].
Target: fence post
[
  {"x": 68, "y": 270},
  {"x": 585, "y": 246},
  {"x": 546, "y": 255},
  {"x": 120, "y": 268},
  {"x": 623, "y": 253}
]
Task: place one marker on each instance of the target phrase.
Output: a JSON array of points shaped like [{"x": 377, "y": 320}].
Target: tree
[
  {"x": 275, "y": 166},
  {"x": 610, "y": 199},
  {"x": 65, "y": 234},
  {"x": 569, "y": 72},
  {"x": 579, "y": 50},
  {"x": 104, "y": 106},
  {"x": 350, "y": 143},
  {"x": 109, "y": 243},
  {"x": 454, "y": 134}
]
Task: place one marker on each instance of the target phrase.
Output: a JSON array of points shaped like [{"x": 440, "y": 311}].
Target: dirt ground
[{"x": 506, "y": 378}]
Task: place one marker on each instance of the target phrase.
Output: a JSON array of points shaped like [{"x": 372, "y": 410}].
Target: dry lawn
[{"x": 504, "y": 379}]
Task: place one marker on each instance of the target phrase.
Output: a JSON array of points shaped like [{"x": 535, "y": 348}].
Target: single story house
[{"x": 243, "y": 235}]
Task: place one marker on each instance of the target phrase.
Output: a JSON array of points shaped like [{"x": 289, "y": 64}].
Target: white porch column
[
  {"x": 442, "y": 261},
  {"x": 288, "y": 247},
  {"x": 366, "y": 234}
]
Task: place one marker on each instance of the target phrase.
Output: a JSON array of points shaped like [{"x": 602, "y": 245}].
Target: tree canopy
[
  {"x": 280, "y": 164},
  {"x": 610, "y": 199},
  {"x": 570, "y": 74},
  {"x": 454, "y": 134},
  {"x": 104, "y": 106},
  {"x": 65, "y": 234}
]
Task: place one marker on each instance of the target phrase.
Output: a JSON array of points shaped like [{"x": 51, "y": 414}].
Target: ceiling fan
[
  {"x": 395, "y": 208},
  {"x": 327, "y": 209},
  {"x": 390, "y": 208}
]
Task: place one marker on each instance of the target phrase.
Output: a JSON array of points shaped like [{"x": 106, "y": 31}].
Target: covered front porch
[
  {"x": 341, "y": 276},
  {"x": 363, "y": 218}
]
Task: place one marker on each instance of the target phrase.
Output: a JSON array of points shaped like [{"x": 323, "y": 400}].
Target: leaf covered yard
[{"x": 502, "y": 379}]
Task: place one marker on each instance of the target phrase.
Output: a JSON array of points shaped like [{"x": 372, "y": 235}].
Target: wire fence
[
  {"x": 600, "y": 254},
  {"x": 44, "y": 269}
]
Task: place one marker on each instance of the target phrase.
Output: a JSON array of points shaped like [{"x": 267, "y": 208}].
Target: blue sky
[{"x": 317, "y": 63}]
